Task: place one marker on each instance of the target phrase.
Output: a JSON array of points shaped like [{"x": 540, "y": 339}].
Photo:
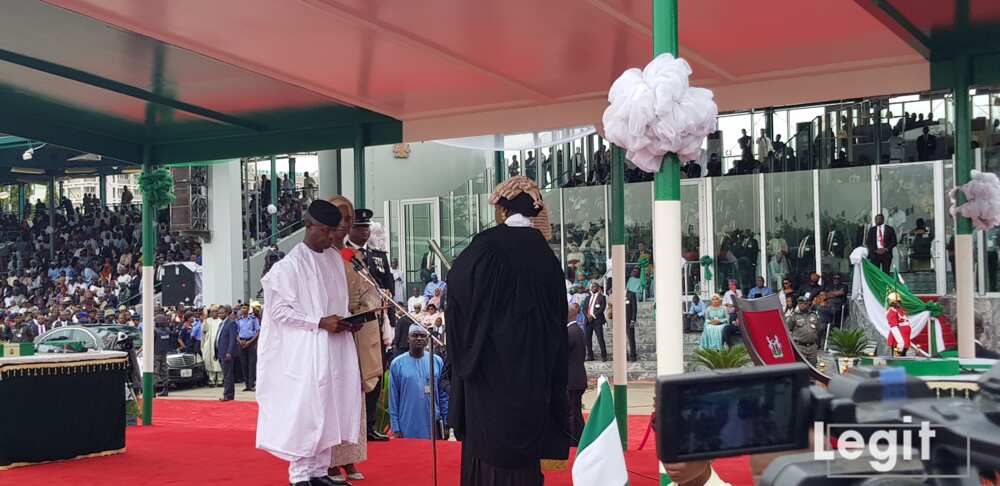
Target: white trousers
[{"x": 304, "y": 468}]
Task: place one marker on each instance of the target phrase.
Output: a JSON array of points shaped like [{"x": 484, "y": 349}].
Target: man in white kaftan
[{"x": 308, "y": 380}]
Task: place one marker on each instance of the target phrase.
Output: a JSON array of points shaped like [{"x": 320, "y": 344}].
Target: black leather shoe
[
  {"x": 301, "y": 483},
  {"x": 225, "y": 399},
  {"x": 327, "y": 481},
  {"x": 377, "y": 437}
]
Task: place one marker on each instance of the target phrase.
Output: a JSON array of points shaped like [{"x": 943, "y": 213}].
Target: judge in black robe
[{"x": 508, "y": 350}]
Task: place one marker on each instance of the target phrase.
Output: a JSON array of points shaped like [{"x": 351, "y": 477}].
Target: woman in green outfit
[{"x": 716, "y": 319}]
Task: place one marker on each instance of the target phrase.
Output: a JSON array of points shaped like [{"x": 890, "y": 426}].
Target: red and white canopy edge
[{"x": 453, "y": 68}]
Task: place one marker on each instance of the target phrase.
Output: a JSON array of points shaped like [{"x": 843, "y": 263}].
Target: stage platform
[{"x": 204, "y": 442}]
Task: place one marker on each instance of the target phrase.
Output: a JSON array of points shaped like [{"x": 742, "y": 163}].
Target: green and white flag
[
  {"x": 600, "y": 460},
  {"x": 874, "y": 285}
]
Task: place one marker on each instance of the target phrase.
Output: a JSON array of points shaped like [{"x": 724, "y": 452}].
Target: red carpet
[{"x": 202, "y": 442}]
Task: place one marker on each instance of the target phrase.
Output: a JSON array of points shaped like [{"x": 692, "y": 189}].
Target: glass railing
[{"x": 779, "y": 226}]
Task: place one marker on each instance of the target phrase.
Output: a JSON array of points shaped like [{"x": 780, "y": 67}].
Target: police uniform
[
  {"x": 161, "y": 346},
  {"x": 377, "y": 263},
  {"x": 803, "y": 327}
]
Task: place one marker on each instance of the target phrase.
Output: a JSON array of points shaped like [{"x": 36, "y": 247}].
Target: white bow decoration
[
  {"x": 654, "y": 111},
  {"x": 982, "y": 194}
]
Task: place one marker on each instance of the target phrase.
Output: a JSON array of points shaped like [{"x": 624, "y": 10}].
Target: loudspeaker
[{"x": 181, "y": 284}]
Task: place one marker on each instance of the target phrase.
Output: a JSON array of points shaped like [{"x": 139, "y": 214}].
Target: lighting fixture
[
  {"x": 82, "y": 157},
  {"x": 79, "y": 170},
  {"x": 27, "y": 170},
  {"x": 30, "y": 153}
]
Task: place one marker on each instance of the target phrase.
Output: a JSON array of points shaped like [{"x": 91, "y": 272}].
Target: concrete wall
[
  {"x": 430, "y": 170},
  {"x": 256, "y": 268},
  {"x": 222, "y": 256}
]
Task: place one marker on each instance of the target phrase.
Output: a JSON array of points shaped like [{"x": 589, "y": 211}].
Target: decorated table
[{"x": 61, "y": 406}]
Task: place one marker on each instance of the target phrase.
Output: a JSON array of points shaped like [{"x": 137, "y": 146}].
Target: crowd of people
[
  {"x": 87, "y": 265},
  {"x": 291, "y": 203},
  {"x": 809, "y": 310}
]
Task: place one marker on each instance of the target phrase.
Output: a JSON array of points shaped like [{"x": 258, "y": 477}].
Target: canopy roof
[
  {"x": 210, "y": 79},
  {"x": 943, "y": 31},
  {"x": 52, "y": 161}
]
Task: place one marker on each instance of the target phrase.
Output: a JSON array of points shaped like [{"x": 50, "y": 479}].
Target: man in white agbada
[{"x": 308, "y": 381}]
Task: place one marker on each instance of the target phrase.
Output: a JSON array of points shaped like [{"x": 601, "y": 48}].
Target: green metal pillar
[
  {"x": 769, "y": 123},
  {"x": 103, "y": 190},
  {"x": 359, "y": 167},
  {"x": 291, "y": 171},
  {"x": 62, "y": 193},
  {"x": 667, "y": 227},
  {"x": 339, "y": 167},
  {"x": 274, "y": 200},
  {"x": 498, "y": 167},
  {"x": 618, "y": 298},
  {"x": 876, "y": 132},
  {"x": 52, "y": 218},
  {"x": 964, "y": 271},
  {"x": 22, "y": 198},
  {"x": 148, "y": 247}
]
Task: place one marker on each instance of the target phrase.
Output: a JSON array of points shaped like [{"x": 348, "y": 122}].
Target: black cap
[
  {"x": 324, "y": 212},
  {"x": 522, "y": 203},
  {"x": 363, "y": 217}
]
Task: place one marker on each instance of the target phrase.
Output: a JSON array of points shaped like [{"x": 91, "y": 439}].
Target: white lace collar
[{"x": 518, "y": 220}]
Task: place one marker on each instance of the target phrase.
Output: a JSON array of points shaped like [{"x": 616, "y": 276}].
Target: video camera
[{"x": 885, "y": 427}]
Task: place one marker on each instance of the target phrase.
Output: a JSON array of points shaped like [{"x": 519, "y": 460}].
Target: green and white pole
[
  {"x": 148, "y": 247},
  {"x": 667, "y": 228},
  {"x": 964, "y": 273},
  {"x": 620, "y": 317},
  {"x": 274, "y": 200}
]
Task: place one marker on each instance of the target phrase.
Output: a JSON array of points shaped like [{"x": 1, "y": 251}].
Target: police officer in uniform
[
  {"x": 804, "y": 326},
  {"x": 162, "y": 344},
  {"x": 377, "y": 262}
]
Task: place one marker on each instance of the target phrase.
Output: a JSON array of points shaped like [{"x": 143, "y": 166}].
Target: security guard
[
  {"x": 804, "y": 326},
  {"x": 162, "y": 344},
  {"x": 377, "y": 262}
]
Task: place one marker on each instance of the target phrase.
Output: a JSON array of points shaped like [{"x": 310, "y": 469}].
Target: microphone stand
[{"x": 384, "y": 294}]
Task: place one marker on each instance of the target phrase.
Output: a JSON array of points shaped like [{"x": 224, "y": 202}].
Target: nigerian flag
[
  {"x": 874, "y": 285},
  {"x": 600, "y": 460}
]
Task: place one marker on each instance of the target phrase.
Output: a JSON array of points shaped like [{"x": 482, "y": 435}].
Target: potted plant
[
  {"x": 725, "y": 357},
  {"x": 849, "y": 345}
]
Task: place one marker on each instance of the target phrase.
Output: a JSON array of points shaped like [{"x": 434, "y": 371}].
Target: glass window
[
  {"x": 736, "y": 204},
  {"x": 639, "y": 232},
  {"x": 586, "y": 243},
  {"x": 991, "y": 163},
  {"x": 780, "y": 125},
  {"x": 734, "y": 128},
  {"x": 394, "y": 228},
  {"x": 907, "y": 201},
  {"x": 551, "y": 198},
  {"x": 845, "y": 205},
  {"x": 791, "y": 245},
  {"x": 447, "y": 231},
  {"x": 418, "y": 229},
  {"x": 691, "y": 237}
]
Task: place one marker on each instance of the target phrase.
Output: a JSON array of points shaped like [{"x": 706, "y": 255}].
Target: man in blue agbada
[{"x": 410, "y": 391}]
